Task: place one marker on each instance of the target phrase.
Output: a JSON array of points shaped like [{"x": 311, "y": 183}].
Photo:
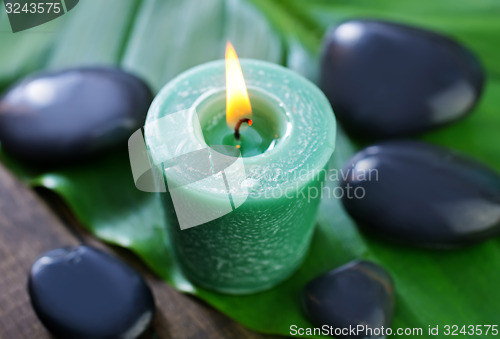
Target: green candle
[{"x": 248, "y": 226}]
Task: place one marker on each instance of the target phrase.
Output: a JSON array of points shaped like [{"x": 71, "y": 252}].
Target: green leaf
[
  {"x": 26, "y": 51},
  {"x": 96, "y": 32},
  {"x": 159, "y": 39},
  {"x": 172, "y": 36}
]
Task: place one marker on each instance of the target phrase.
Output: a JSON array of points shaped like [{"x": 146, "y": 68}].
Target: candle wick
[{"x": 238, "y": 125}]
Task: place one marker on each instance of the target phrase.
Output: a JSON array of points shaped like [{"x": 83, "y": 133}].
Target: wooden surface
[{"x": 30, "y": 226}]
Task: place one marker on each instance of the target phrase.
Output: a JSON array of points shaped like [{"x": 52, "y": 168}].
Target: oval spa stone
[
  {"x": 358, "y": 293},
  {"x": 53, "y": 117},
  {"x": 422, "y": 194},
  {"x": 81, "y": 292},
  {"x": 385, "y": 79}
]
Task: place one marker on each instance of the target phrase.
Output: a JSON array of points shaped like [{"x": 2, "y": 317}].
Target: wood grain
[{"x": 28, "y": 228}]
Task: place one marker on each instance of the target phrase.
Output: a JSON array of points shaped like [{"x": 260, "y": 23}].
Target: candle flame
[{"x": 237, "y": 101}]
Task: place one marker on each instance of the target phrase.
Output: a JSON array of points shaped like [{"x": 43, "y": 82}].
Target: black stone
[
  {"x": 81, "y": 292},
  {"x": 56, "y": 117},
  {"x": 385, "y": 79},
  {"x": 358, "y": 293},
  {"x": 422, "y": 194}
]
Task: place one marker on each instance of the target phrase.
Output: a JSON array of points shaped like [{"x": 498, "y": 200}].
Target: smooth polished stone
[
  {"x": 422, "y": 194},
  {"x": 358, "y": 293},
  {"x": 81, "y": 292},
  {"x": 386, "y": 79},
  {"x": 56, "y": 117}
]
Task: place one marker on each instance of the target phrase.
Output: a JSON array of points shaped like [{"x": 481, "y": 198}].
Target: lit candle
[
  {"x": 232, "y": 130},
  {"x": 248, "y": 225}
]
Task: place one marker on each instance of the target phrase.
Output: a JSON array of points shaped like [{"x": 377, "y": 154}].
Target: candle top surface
[
  {"x": 268, "y": 126},
  {"x": 174, "y": 127}
]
